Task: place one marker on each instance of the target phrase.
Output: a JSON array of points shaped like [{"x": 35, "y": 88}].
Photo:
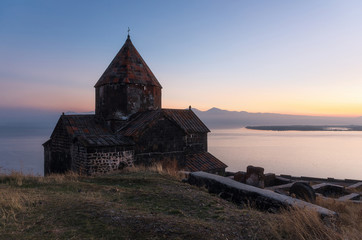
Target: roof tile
[
  {"x": 203, "y": 161},
  {"x": 128, "y": 67},
  {"x": 185, "y": 119},
  {"x": 90, "y": 133}
]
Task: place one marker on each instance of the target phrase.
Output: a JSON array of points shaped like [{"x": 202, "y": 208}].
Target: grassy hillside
[{"x": 145, "y": 204}]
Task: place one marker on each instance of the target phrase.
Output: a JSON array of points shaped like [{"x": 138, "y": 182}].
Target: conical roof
[{"x": 128, "y": 67}]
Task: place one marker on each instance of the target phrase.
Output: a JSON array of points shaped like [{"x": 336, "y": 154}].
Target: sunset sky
[{"x": 295, "y": 57}]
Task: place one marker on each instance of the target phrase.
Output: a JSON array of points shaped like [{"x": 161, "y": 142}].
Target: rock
[
  {"x": 240, "y": 176},
  {"x": 255, "y": 176},
  {"x": 303, "y": 191},
  {"x": 281, "y": 180},
  {"x": 329, "y": 190},
  {"x": 269, "y": 179}
]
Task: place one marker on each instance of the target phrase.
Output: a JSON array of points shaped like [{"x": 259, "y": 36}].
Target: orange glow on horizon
[
  {"x": 65, "y": 98},
  {"x": 78, "y": 105},
  {"x": 305, "y": 110},
  {"x": 53, "y": 98}
]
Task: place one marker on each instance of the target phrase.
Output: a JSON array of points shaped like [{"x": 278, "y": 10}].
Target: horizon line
[{"x": 55, "y": 110}]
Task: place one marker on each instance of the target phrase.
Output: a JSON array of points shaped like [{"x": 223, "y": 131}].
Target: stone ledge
[{"x": 239, "y": 192}]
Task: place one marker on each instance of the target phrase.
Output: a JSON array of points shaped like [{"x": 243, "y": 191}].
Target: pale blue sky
[{"x": 301, "y": 57}]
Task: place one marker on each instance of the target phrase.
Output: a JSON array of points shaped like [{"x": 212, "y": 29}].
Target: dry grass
[
  {"x": 150, "y": 203},
  {"x": 17, "y": 195},
  {"x": 15, "y": 178},
  {"x": 14, "y": 203},
  {"x": 169, "y": 168},
  {"x": 349, "y": 217},
  {"x": 11, "y": 202},
  {"x": 127, "y": 205},
  {"x": 60, "y": 178},
  {"x": 18, "y": 178},
  {"x": 302, "y": 224}
]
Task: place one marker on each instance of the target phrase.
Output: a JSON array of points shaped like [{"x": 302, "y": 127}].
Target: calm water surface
[
  {"x": 334, "y": 154},
  {"x": 22, "y": 153},
  {"x": 315, "y": 154}
]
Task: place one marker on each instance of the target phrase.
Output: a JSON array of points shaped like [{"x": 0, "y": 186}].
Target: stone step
[
  {"x": 353, "y": 186},
  {"x": 323, "y": 185},
  {"x": 352, "y": 196},
  {"x": 283, "y": 186}
]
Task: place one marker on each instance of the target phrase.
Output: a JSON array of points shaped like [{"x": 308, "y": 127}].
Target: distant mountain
[
  {"x": 21, "y": 118},
  {"x": 218, "y": 118},
  {"x": 79, "y": 113}
]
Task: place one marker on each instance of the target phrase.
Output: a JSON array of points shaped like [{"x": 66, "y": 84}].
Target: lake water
[
  {"x": 314, "y": 154},
  {"x": 336, "y": 154},
  {"x": 23, "y": 154},
  {"x": 22, "y": 150}
]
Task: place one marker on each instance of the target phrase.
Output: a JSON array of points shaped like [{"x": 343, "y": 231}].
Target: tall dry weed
[
  {"x": 12, "y": 202},
  {"x": 17, "y": 178},
  {"x": 349, "y": 216},
  {"x": 302, "y": 224},
  {"x": 69, "y": 176},
  {"x": 169, "y": 168}
]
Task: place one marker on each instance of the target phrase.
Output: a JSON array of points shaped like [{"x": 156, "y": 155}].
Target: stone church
[{"x": 129, "y": 127}]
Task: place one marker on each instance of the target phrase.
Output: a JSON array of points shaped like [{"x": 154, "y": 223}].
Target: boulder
[
  {"x": 329, "y": 190},
  {"x": 240, "y": 176},
  {"x": 303, "y": 191},
  {"x": 269, "y": 179},
  {"x": 255, "y": 176}
]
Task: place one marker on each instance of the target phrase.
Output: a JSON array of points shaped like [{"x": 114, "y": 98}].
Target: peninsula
[{"x": 308, "y": 128}]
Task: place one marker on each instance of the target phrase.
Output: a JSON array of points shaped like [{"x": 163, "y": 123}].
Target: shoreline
[{"x": 328, "y": 128}]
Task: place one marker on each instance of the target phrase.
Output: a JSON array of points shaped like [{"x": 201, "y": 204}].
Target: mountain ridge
[
  {"x": 213, "y": 118},
  {"x": 220, "y": 118}
]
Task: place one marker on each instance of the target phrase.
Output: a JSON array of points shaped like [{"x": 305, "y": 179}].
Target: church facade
[{"x": 129, "y": 127}]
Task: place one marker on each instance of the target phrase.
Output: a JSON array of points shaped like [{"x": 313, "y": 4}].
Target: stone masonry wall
[
  {"x": 142, "y": 98},
  {"x": 196, "y": 142},
  {"x": 163, "y": 141},
  {"x": 118, "y": 100},
  {"x": 79, "y": 158},
  {"x": 110, "y": 100},
  {"x": 103, "y": 161},
  {"x": 60, "y": 139},
  {"x": 57, "y": 151},
  {"x": 161, "y": 136}
]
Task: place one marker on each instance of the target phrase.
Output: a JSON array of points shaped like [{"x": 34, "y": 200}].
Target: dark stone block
[{"x": 304, "y": 191}]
